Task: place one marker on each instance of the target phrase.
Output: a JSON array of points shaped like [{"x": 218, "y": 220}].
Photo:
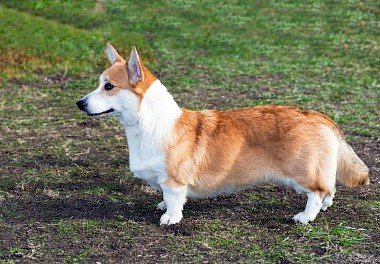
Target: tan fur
[
  {"x": 117, "y": 75},
  {"x": 236, "y": 148},
  {"x": 141, "y": 87}
]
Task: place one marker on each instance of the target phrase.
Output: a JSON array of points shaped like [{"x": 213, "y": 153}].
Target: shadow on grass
[
  {"x": 43, "y": 208},
  {"x": 139, "y": 206}
]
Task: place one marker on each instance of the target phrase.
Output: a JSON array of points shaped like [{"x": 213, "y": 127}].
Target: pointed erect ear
[
  {"x": 112, "y": 54},
  {"x": 135, "y": 67}
]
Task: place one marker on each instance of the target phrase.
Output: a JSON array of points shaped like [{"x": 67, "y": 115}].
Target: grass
[{"x": 66, "y": 193}]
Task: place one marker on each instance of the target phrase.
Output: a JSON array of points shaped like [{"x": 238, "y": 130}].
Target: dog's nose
[{"x": 81, "y": 104}]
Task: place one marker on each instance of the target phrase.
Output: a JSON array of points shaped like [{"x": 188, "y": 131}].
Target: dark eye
[{"x": 108, "y": 86}]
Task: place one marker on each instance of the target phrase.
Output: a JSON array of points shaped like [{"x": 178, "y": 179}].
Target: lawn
[{"x": 66, "y": 193}]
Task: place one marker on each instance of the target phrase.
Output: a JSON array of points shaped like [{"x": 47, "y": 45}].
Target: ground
[{"x": 66, "y": 194}]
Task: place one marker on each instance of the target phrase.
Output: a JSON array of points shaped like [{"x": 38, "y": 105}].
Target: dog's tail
[{"x": 351, "y": 170}]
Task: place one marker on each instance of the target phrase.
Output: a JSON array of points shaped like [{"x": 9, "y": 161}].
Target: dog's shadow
[
  {"x": 140, "y": 207},
  {"x": 45, "y": 207}
]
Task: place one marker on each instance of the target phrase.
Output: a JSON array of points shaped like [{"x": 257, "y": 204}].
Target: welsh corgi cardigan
[{"x": 199, "y": 154}]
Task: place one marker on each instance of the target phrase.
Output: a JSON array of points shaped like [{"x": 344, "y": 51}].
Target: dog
[{"x": 199, "y": 154}]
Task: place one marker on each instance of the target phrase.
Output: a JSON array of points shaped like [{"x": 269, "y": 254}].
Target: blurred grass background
[
  {"x": 318, "y": 55},
  {"x": 301, "y": 52}
]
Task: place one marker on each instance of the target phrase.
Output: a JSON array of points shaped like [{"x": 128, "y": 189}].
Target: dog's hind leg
[
  {"x": 321, "y": 197},
  {"x": 329, "y": 180},
  {"x": 319, "y": 194},
  {"x": 322, "y": 185},
  {"x": 329, "y": 168},
  {"x": 313, "y": 206},
  {"x": 328, "y": 200}
]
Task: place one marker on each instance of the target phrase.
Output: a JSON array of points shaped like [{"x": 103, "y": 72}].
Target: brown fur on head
[{"x": 132, "y": 75}]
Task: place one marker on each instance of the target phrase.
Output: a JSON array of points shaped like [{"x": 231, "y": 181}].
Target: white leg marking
[
  {"x": 161, "y": 206},
  {"x": 313, "y": 206},
  {"x": 327, "y": 201},
  {"x": 174, "y": 199}
]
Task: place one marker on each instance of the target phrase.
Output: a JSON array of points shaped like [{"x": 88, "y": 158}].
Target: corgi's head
[{"x": 121, "y": 88}]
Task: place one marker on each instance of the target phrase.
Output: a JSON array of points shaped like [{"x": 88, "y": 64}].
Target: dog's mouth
[{"x": 101, "y": 113}]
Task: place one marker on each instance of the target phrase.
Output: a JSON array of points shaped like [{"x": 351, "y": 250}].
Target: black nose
[{"x": 81, "y": 104}]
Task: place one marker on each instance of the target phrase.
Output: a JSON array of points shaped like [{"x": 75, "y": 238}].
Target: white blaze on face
[
  {"x": 95, "y": 101},
  {"x": 123, "y": 102}
]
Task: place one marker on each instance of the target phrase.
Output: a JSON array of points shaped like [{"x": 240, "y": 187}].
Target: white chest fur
[
  {"x": 146, "y": 161},
  {"x": 157, "y": 115}
]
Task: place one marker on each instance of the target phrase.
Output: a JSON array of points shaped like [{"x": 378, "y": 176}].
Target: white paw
[
  {"x": 302, "y": 218},
  {"x": 327, "y": 202},
  {"x": 167, "y": 219},
  {"x": 324, "y": 207},
  {"x": 161, "y": 206}
]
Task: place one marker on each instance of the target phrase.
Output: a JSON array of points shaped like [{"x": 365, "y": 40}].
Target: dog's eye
[{"x": 108, "y": 86}]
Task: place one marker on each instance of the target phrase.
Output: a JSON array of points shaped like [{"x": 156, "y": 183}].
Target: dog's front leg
[{"x": 174, "y": 198}]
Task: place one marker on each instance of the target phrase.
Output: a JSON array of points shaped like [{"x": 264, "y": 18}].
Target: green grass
[{"x": 66, "y": 193}]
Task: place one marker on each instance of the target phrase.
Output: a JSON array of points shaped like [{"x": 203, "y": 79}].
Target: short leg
[
  {"x": 313, "y": 206},
  {"x": 161, "y": 206},
  {"x": 327, "y": 200},
  {"x": 174, "y": 198}
]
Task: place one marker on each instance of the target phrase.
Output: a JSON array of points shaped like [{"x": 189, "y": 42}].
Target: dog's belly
[
  {"x": 199, "y": 192},
  {"x": 196, "y": 193}
]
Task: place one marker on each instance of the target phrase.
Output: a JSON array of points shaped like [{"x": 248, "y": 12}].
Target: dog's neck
[{"x": 156, "y": 116}]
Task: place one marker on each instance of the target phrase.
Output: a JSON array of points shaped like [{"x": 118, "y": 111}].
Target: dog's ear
[
  {"x": 112, "y": 54},
  {"x": 135, "y": 71}
]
